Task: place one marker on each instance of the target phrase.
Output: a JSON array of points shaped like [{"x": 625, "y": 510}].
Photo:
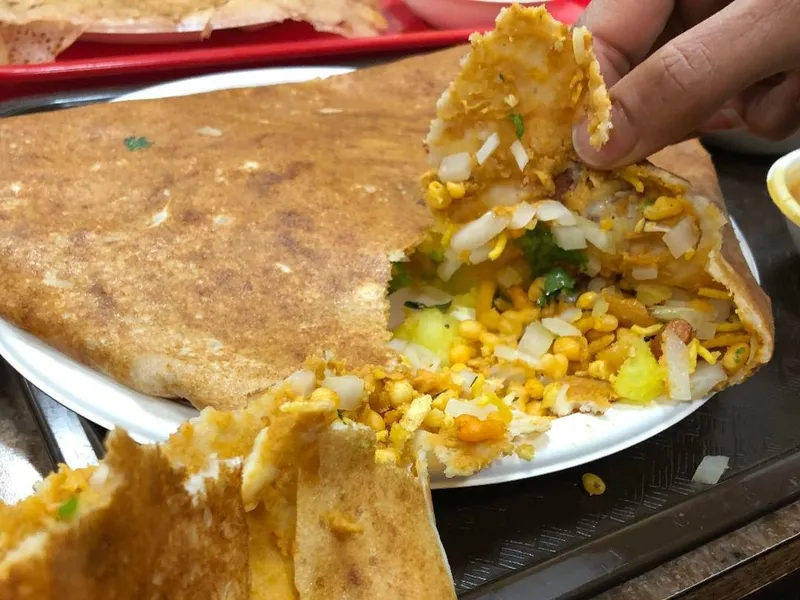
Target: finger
[
  {"x": 623, "y": 32},
  {"x": 673, "y": 91},
  {"x": 773, "y": 112}
]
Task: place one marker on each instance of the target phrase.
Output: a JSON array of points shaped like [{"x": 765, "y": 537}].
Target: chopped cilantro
[
  {"x": 542, "y": 254},
  {"x": 133, "y": 143},
  {"x": 519, "y": 124},
  {"x": 68, "y": 509},
  {"x": 502, "y": 77},
  {"x": 556, "y": 280},
  {"x": 436, "y": 256},
  {"x": 340, "y": 414},
  {"x": 400, "y": 277},
  {"x": 739, "y": 353},
  {"x": 649, "y": 202}
]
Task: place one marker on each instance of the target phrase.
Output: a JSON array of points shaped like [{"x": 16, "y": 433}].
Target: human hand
[{"x": 676, "y": 68}]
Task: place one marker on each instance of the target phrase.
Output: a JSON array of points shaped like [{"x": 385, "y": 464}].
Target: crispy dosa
[
  {"x": 136, "y": 527},
  {"x": 253, "y": 232},
  {"x": 35, "y": 32}
]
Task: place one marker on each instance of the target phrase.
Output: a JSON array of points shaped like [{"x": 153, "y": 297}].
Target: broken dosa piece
[
  {"x": 563, "y": 288},
  {"x": 36, "y": 32},
  {"x": 133, "y": 527}
]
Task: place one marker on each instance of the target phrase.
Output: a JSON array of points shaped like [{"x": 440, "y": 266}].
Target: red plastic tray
[{"x": 88, "y": 64}]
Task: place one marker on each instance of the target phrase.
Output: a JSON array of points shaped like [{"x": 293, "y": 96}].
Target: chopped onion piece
[
  {"x": 597, "y": 284},
  {"x": 503, "y": 195},
  {"x": 600, "y": 307},
  {"x": 429, "y": 296},
  {"x": 668, "y": 313},
  {"x": 508, "y": 373},
  {"x": 349, "y": 388},
  {"x": 463, "y": 313},
  {"x": 579, "y": 44},
  {"x": 419, "y": 357},
  {"x": 645, "y": 273},
  {"x": 508, "y": 277},
  {"x": 569, "y": 238},
  {"x": 706, "y": 330},
  {"x": 480, "y": 254},
  {"x": 596, "y": 236},
  {"x": 465, "y": 378},
  {"x": 705, "y": 378},
  {"x": 302, "y": 382},
  {"x": 536, "y": 340},
  {"x": 447, "y": 268},
  {"x": 489, "y": 146},
  {"x": 506, "y": 353},
  {"x": 723, "y": 308},
  {"x": 572, "y": 314},
  {"x": 561, "y": 327},
  {"x": 519, "y": 154},
  {"x": 653, "y": 227},
  {"x": 567, "y": 220},
  {"x": 456, "y": 408},
  {"x": 593, "y": 266},
  {"x": 456, "y": 167},
  {"x": 523, "y": 215},
  {"x": 681, "y": 238},
  {"x": 397, "y": 345},
  {"x": 478, "y": 232},
  {"x": 550, "y": 210},
  {"x": 676, "y": 355},
  {"x": 710, "y": 469}
]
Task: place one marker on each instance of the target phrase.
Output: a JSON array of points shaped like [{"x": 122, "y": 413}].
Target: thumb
[{"x": 683, "y": 83}]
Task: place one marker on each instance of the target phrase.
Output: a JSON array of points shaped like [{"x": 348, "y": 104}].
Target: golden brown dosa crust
[
  {"x": 396, "y": 553},
  {"x": 727, "y": 266},
  {"x": 33, "y": 31},
  {"x": 151, "y": 540},
  {"x": 209, "y": 267}
]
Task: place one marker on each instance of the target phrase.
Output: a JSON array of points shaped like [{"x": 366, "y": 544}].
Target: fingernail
[{"x": 613, "y": 152}]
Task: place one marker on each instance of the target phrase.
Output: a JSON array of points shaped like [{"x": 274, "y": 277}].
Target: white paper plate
[{"x": 571, "y": 441}]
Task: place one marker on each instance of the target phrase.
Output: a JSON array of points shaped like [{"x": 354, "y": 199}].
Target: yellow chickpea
[
  {"x": 534, "y": 389},
  {"x": 555, "y": 365},
  {"x": 586, "y": 300},
  {"x": 735, "y": 357},
  {"x": 400, "y": 393},
  {"x": 372, "y": 420},
  {"x": 473, "y": 430},
  {"x": 471, "y": 330},
  {"x": 509, "y": 326},
  {"x": 606, "y": 323},
  {"x": 569, "y": 347}
]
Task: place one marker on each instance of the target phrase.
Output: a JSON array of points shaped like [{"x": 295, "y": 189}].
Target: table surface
[{"x": 740, "y": 564}]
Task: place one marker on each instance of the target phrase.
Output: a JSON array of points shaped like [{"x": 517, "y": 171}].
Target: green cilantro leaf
[
  {"x": 400, "y": 277},
  {"x": 519, "y": 124},
  {"x": 542, "y": 254},
  {"x": 556, "y": 280},
  {"x": 134, "y": 143},
  {"x": 340, "y": 414},
  {"x": 68, "y": 509},
  {"x": 740, "y": 353},
  {"x": 649, "y": 202},
  {"x": 436, "y": 256}
]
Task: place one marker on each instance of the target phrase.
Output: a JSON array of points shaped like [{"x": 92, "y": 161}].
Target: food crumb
[{"x": 593, "y": 485}]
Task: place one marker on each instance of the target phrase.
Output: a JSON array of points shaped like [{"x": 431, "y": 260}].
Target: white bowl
[
  {"x": 783, "y": 175},
  {"x": 461, "y": 14}
]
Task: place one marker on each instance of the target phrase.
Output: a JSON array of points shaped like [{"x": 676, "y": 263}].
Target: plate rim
[{"x": 260, "y": 77}]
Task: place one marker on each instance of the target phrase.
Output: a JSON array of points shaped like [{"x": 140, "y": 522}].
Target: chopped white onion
[
  {"x": 572, "y": 314},
  {"x": 550, "y": 210},
  {"x": 456, "y": 167},
  {"x": 536, "y": 340},
  {"x": 593, "y": 266},
  {"x": 600, "y": 307},
  {"x": 463, "y": 313},
  {"x": 569, "y": 238},
  {"x": 562, "y": 406},
  {"x": 645, "y": 273},
  {"x": 478, "y": 232},
  {"x": 419, "y": 357},
  {"x": 429, "y": 296},
  {"x": 523, "y": 215},
  {"x": 560, "y": 327},
  {"x": 456, "y": 408},
  {"x": 706, "y": 330},
  {"x": 681, "y": 238},
  {"x": 480, "y": 254},
  {"x": 397, "y": 345},
  {"x": 710, "y": 469},
  {"x": 465, "y": 378},
  {"x": 653, "y": 227},
  {"x": 489, "y": 146},
  {"x": 567, "y": 220},
  {"x": 503, "y": 195},
  {"x": 508, "y": 373},
  {"x": 349, "y": 388},
  {"x": 579, "y": 44},
  {"x": 595, "y": 235},
  {"x": 676, "y": 355},
  {"x": 597, "y": 284},
  {"x": 506, "y": 353},
  {"x": 302, "y": 382},
  {"x": 508, "y": 277},
  {"x": 448, "y": 267},
  {"x": 705, "y": 378},
  {"x": 723, "y": 308},
  {"x": 519, "y": 154}
]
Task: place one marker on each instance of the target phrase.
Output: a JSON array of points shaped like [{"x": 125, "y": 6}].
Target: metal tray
[{"x": 545, "y": 537}]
